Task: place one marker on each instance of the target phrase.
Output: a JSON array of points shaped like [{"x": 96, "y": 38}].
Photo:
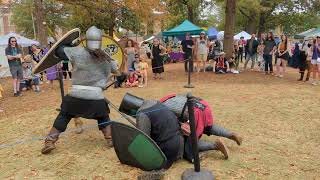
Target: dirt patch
[{"x": 279, "y": 119}]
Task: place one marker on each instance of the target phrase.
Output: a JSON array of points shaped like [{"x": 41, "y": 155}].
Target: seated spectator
[
  {"x": 232, "y": 64},
  {"x": 122, "y": 78},
  {"x": 137, "y": 69},
  {"x": 220, "y": 64},
  {"x": 28, "y": 79},
  {"x": 132, "y": 80}
]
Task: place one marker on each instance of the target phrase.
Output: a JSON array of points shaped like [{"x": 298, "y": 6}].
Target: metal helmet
[
  {"x": 130, "y": 104},
  {"x": 94, "y": 38}
]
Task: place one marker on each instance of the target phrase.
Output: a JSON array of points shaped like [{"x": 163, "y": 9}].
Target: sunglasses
[{"x": 13, "y": 41}]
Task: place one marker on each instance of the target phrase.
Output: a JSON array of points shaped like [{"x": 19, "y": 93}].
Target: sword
[{"x": 122, "y": 114}]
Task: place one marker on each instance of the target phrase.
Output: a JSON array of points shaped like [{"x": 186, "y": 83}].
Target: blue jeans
[
  {"x": 214, "y": 130},
  {"x": 268, "y": 63}
]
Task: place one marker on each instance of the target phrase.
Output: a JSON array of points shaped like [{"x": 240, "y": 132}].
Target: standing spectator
[
  {"x": 262, "y": 38},
  {"x": 316, "y": 60},
  {"x": 130, "y": 52},
  {"x": 302, "y": 58},
  {"x": 143, "y": 70},
  {"x": 147, "y": 49},
  {"x": 241, "y": 44},
  {"x": 37, "y": 53},
  {"x": 202, "y": 51},
  {"x": 261, "y": 62},
  {"x": 251, "y": 50},
  {"x": 14, "y": 53},
  {"x": 295, "y": 56},
  {"x": 156, "y": 59},
  {"x": 269, "y": 48},
  {"x": 66, "y": 70},
  {"x": 52, "y": 72},
  {"x": 187, "y": 47},
  {"x": 308, "y": 62},
  {"x": 283, "y": 56}
]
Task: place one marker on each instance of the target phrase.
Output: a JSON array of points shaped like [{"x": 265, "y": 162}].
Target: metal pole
[
  {"x": 189, "y": 85},
  {"x": 194, "y": 139},
  {"x": 196, "y": 173},
  {"x": 60, "y": 74}
]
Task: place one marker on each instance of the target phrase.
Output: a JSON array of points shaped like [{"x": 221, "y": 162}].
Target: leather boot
[
  {"x": 78, "y": 123},
  {"x": 107, "y": 136},
  {"x": 219, "y": 146},
  {"x": 308, "y": 76},
  {"x": 50, "y": 140},
  {"x": 238, "y": 139},
  {"x": 301, "y": 76}
]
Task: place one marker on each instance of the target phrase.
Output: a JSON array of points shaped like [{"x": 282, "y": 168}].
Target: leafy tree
[{"x": 24, "y": 16}]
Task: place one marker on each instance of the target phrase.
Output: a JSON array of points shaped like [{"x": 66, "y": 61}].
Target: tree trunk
[
  {"x": 229, "y": 27},
  {"x": 111, "y": 27},
  {"x": 251, "y": 26},
  {"x": 190, "y": 13},
  {"x": 262, "y": 22},
  {"x": 40, "y": 22}
]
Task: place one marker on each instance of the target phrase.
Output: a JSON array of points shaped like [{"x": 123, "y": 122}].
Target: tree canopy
[{"x": 253, "y": 16}]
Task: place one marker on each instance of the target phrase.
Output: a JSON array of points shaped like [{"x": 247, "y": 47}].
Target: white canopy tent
[
  {"x": 220, "y": 35},
  {"x": 242, "y": 34},
  {"x": 22, "y": 41}
]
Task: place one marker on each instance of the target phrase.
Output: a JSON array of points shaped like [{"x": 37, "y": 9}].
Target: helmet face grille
[
  {"x": 94, "y": 34},
  {"x": 94, "y": 38}
]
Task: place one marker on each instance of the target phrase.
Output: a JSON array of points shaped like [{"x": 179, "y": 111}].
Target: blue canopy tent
[
  {"x": 182, "y": 29},
  {"x": 212, "y": 33}
]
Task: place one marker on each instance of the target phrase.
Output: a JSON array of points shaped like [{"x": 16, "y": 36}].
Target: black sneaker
[
  {"x": 19, "y": 93},
  {"x": 15, "y": 94}
]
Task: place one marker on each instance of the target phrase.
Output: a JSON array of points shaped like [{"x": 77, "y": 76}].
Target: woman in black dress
[{"x": 157, "y": 62}]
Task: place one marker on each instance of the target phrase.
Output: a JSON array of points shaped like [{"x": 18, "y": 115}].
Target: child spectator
[
  {"x": 143, "y": 68},
  {"x": 232, "y": 64},
  {"x": 221, "y": 64},
  {"x": 132, "y": 80}
]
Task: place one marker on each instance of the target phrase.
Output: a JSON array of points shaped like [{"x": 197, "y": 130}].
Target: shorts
[
  {"x": 25, "y": 84},
  {"x": 285, "y": 56},
  {"x": 314, "y": 62},
  {"x": 202, "y": 57},
  {"x": 16, "y": 72}
]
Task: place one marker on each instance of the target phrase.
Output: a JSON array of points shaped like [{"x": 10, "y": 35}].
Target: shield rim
[
  {"x": 54, "y": 48},
  {"x": 151, "y": 140}
]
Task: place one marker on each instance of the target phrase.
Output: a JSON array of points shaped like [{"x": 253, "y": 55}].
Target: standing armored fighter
[{"x": 92, "y": 68}]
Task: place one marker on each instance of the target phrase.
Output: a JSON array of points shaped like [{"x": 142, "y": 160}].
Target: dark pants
[
  {"x": 240, "y": 54},
  {"x": 65, "y": 69},
  {"x": 268, "y": 63},
  {"x": 64, "y": 118},
  {"x": 188, "y": 60}
]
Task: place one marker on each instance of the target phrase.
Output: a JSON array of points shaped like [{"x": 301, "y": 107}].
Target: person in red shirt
[{"x": 204, "y": 121}]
